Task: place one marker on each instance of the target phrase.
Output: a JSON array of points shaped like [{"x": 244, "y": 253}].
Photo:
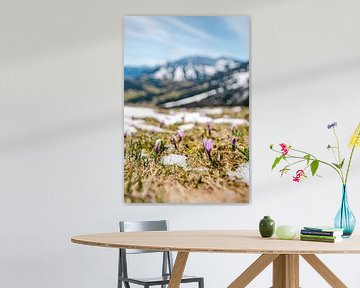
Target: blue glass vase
[{"x": 345, "y": 219}]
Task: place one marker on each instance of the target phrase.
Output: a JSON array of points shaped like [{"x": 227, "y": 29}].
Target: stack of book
[{"x": 321, "y": 234}]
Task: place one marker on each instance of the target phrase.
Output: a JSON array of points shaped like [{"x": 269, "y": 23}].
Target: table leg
[
  {"x": 253, "y": 270},
  {"x": 178, "y": 269},
  {"x": 286, "y": 271},
  {"x": 324, "y": 271}
]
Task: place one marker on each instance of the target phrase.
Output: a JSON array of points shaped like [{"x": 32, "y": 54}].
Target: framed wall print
[{"x": 186, "y": 109}]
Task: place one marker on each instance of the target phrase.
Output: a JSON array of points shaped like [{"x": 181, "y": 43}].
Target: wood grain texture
[
  {"x": 279, "y": 272},
  {"x": 324, "y": 271},
  {"x": 253, "y": 270},
  {"x": 286, "y": 271},
  {"x": 221, "y": 241},
  {"x": 178, "y": 270},
  {"x": 292, "y": 262}
]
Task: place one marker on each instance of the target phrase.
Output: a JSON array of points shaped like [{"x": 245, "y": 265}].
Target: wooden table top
[{"x": 217, "y": 241}]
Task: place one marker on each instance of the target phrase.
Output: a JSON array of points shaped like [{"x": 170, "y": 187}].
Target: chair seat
[{"x": 158, "y": 280}]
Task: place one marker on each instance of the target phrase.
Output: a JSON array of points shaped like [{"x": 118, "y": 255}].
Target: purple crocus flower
[
  {"x": 157, "y": 146},
  {"x": 332, "y": 125},
  {"x": 208, "y": 145},
  {"x": 233, "y": 143},
  {"x": 173, "y": 141},
  {"x": 180, "y": 135}
]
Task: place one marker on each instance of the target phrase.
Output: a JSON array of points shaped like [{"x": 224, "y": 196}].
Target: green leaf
[
  {"x": 307, "y": 157},
  {"x": 339, "y": 166},
  {"x": 314, "y": 166},
  {"x": 342, "y": 163},
  {"x": 336, "y": 165},
  {"x": 276, "y": 162}
]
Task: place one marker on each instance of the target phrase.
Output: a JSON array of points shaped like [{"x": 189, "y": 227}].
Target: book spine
[
  {"x": 319, "y": 233},
  {"x": 319, "y": 236},
  {"x": 317, "y": 239}
]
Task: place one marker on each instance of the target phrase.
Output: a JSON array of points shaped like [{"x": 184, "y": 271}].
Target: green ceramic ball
[{"x": 285, "y": 232}]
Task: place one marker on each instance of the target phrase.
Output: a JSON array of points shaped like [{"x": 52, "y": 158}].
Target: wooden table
[{"x": 284, "y": 254}]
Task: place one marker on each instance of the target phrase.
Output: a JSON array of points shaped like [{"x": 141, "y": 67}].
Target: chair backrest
[{"x": 138, "y": 226}]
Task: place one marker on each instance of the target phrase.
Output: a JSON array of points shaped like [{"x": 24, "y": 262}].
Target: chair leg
[{"x": 201, "y": 283}]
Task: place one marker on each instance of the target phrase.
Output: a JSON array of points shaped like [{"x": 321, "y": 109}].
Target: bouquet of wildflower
[{"x": 292, "y": 156}]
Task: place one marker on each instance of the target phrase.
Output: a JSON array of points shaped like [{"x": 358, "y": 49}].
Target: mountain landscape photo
[
  {"x": 186, "y": 113},
  {"x": 189, "y": 82}
]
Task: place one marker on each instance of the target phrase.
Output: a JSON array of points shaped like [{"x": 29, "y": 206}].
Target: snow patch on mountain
[
  {"x": 193, "y": 68},
  {"x": 163, "y": 73},
  {"x": 192, "y": 99}
]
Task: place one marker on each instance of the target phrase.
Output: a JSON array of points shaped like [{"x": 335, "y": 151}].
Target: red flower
[
  {"x": 299, "y": 175},
  {"x": 284, "y": 148}
]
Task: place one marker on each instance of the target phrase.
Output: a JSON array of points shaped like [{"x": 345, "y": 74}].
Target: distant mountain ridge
[
  {"x": 194, "y": 81},
  {"x": 190, "y": 68}
]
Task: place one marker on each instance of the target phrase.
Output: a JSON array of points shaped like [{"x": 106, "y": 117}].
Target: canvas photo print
[{"x": 186, "y": 109}]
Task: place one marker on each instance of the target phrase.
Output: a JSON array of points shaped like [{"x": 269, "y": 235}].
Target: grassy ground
[{"x": 205, "y": 178}]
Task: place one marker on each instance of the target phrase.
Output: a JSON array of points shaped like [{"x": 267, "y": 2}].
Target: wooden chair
[{"x": 167, "y": 262}]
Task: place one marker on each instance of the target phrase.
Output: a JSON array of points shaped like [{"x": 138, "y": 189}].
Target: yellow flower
[{"x": 355, "y": 137}]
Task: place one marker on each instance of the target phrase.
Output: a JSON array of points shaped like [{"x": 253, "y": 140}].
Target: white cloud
[
  {"x": 152, "y": 40},
  {"x": 188, "y": 28},
  {"x": 161, "y": 28},
  {"x": 239, "y": 25},
  {"x": 145, "y": 27}
]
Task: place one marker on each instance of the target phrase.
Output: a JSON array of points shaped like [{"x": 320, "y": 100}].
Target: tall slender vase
[{"x": 345, "y": 219}]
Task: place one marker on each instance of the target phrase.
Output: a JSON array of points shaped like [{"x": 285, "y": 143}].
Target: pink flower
[
  {"x": 173, "y": 141},
  {"x": 284, "y": 148},
  {"x": 233, "y": 143},
  {"x": 180, "y": 135},
  {"x": 208, "y": 145},
  {"x": 157, "y": 146},
  {"x": 300, "y": 174}
]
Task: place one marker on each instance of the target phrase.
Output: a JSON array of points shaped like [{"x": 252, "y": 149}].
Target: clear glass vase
[{"x": 345, "y": 219}]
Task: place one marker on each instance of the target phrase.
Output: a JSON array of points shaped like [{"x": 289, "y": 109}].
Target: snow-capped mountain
[
  {"x": 194, "y": 68},
  {"x": 231, "y": 89},
  {"x": 190, "y": 82},
  {"x": 186, "y": 69}
]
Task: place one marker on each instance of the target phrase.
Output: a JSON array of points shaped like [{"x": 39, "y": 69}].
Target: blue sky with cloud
[{"x": 152, "y": 40}]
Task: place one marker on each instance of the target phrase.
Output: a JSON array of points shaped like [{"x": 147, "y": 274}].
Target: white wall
[{"x": 61, "y": 133}]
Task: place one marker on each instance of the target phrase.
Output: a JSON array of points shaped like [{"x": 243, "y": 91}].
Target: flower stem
[
  {"x": 338, "y": 146},
  {"x": 311, "y": 159},
  {"x": 350, "y": 159},
  {"x": 304, "y": 152},
  {"x": 323, "y": 162},
  {"x": 339, "y": 156},
  {"x": 296, "y": 162},
  {"x": 348, "y": 167}
]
